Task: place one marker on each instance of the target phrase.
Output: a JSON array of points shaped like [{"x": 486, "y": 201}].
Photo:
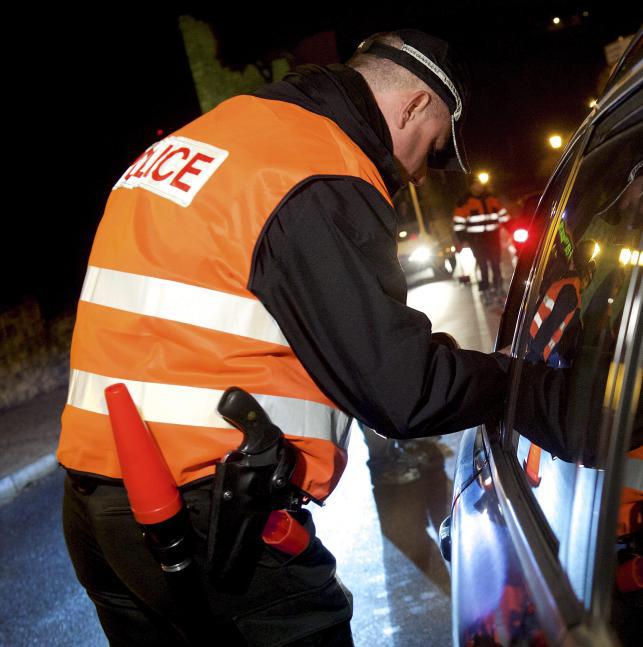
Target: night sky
[{"x": 93, "y": 89}]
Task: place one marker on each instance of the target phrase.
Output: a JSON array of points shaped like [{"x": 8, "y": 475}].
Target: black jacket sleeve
[{"x": 326, "y": 269}]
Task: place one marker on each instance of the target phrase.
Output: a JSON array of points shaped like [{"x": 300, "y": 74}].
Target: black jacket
[{"x": 326, "y": 268}]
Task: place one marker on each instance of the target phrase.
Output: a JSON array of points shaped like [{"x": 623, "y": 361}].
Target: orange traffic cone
[
  {"x": 532, "y": 464},
  {"x": 157, "y": 505},
  {"x": 151, "y": 489}
]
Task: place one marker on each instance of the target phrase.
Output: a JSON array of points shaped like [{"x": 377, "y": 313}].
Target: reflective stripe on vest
[
  {"x": 475, "y": 216},
  {"x": 165, "y": 306},
  {"x": 545, "y": 309},
  {"x": 503, "y": 216},
  {"x": 184, "y": 405},
  {"x": 190, "y": 304},
  {"x": 478, "y": 229},
  {"x": 484, "y": 217}
]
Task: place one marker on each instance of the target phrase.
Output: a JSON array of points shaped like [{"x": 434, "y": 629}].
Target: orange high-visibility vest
[
  {"x": 479, "y": 215},
  {"x": 629, "y": 573},
  {"x": 165, "y": 308},
  {"x": 545, "y": 309},
  {"x": 630, "y": 519}
]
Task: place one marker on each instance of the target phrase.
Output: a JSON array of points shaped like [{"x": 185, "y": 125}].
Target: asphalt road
[{"x": 42, "y": 603}]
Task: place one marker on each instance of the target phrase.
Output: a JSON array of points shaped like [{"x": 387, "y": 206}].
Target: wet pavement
[
  {"x": 383, "y": 535},
  {"x": 41, "y": 602}
]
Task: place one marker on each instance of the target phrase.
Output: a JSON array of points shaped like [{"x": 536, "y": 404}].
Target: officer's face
[
  {"x": 433, "y": 138},
  {"x": 425, "y": 129},
  {"x": 477, "y": 187}
]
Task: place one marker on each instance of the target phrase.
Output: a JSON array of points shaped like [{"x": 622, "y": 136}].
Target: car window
[
  {"x": 544, "y": 211},
  {"x": 566, "y": 343}
]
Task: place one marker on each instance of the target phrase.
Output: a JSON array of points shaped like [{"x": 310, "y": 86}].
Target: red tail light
[{"x": 521, "y": 235}]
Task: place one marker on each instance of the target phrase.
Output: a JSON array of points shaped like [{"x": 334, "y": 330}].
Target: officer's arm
[
  {"x": 503, "y": 214},
  {"x": 326, "y": 269}
]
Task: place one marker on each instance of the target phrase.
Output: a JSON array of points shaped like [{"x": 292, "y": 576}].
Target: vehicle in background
[
  {"x": 545, "y": 536},
  {"x": 524, "y": 231},
  {"x": 417, "y": 249}
]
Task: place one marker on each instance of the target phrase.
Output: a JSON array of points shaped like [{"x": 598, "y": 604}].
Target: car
[
  {"x": 545, "y": 534},
  {"x": 523, "y": 227},
  {"x": 417, "y": 249}
]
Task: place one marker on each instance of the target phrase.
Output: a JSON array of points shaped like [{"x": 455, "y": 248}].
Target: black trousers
[
  {"x": 291, "y": 601},
  {"x": 486, "y": 249}
]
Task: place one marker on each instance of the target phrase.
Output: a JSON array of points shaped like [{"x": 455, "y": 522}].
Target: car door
[
  {"x": 557, "y": 459},
  {"x": 538, "y": 496},
  {"x": 491, "y": 598}
]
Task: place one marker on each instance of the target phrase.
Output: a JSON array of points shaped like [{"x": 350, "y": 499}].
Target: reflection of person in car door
[{"x": 556, "y": 325}]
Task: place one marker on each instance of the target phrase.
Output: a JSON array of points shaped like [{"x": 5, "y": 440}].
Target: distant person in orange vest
[
  {"x": 556, "y": 326},
  {"x": 255, "y": 247},
  {"x": 477, "y": 222}
]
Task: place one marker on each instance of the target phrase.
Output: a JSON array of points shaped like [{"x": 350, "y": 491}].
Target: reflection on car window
[
  {"x": 567, "y": 343},
  {"x": 545, "y": 211}
]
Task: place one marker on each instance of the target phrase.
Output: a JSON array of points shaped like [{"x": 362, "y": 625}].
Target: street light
[
  {"x": 483, "y": 177},
  {"x": 555, "y": 141},
  {"x": 556, "y": 20}
]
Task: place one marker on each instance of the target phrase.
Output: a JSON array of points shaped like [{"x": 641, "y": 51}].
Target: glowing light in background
[
  {"x": 521, "y": 235},
  {"x": 483, "y": 177},
  {"x": 630, "y": 257},
  {"x": 555, "y": 141},
  {"x": 420, "y": 254}
]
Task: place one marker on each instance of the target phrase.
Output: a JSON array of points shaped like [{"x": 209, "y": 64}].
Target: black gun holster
[{"x": 249, "y": 484}]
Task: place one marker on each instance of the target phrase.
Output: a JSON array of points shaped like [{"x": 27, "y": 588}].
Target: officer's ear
[{"x": 414, "y": 106}]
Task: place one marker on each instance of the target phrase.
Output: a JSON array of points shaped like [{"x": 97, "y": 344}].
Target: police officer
[
  {"x": 477, "y": 221},
  {"x": 256, "y": 247}
]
